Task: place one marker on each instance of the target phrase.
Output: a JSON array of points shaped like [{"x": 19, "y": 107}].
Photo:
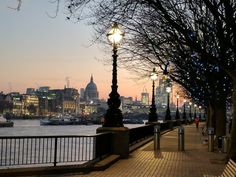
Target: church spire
[{"x": 91, "y": 79}]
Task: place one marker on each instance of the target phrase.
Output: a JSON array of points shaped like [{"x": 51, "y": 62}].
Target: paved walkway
[{"x": 195, "y": 161}]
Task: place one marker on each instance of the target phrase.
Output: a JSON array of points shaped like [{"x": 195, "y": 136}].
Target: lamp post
[
  {"x": 177, "y": 117},
  {"x": 204, "y": 115},
  {"x": 195, "y": 111},
  {"x": 184, "y": 113},
  {"x": 75, "y": 98},
  {"x": 152, "y": 114},
  {"x": 190, "y": 111},
  {"x": 113, "y": 116},
  {"x": 168, "y": 116},
  {"x": 200, "y": 116}
]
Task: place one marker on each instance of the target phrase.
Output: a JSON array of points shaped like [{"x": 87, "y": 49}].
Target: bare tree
[{"x": 205, "y": 29}]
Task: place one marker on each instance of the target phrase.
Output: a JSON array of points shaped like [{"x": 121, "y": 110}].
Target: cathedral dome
[
  {"x": 91, "y": 92},
  {"x": 91, "y": 85}
]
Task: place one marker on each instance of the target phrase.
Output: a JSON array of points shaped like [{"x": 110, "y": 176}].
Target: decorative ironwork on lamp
[
  {"x": 113, "y": 116},
  {"x": 153, "y": 114}
]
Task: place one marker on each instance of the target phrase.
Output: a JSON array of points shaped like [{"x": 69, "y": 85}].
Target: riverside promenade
[{"x": 195, "y": 161}]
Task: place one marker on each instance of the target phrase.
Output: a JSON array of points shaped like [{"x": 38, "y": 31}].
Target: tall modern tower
[{"x": 145, "y": 98}]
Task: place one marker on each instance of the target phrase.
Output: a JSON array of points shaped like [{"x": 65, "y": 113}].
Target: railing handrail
[{"x": 51, "y": 136}]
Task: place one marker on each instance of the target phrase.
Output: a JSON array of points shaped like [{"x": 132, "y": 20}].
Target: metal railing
[
  {"x": 140, "y": 133},
  {"x": 28, "y": 150}
]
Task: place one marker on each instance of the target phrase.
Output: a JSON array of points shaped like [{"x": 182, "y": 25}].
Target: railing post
[
  {"x": 55, "y": 153},
  {"x": 225, "y": 144},
  {"x": 157, "y": 135},
  {"x": 181, "y": 138},
  {"x": 210, "y": 139},
  {"x": 94, "y": 147},
  {"x": 98, "y": 147}
]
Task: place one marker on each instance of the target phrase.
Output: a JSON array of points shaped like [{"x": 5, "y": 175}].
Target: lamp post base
[
  {"x": 168, "y": 116},
  {"x": 120, "y": 140},
  {"x": 185, "y": 118},
  {"x": 113, "y": 118},
  {"x": 170, "y": 124},
  {"x": 152, "y": 117}
]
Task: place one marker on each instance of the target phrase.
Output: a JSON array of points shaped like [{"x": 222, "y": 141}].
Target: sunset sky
[{"x": 36, "y": 50}]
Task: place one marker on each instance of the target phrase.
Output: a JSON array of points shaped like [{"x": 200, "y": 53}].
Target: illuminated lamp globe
[
  {"x": 153, "y": 75},
  {"x": 168, "y": 89},
  {"x": 115, "y": 35}
]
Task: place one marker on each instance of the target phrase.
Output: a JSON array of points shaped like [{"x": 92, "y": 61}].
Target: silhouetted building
[
  {"x": 44, "y": 89},
  {"x": 91, "y": 93},
  {"x": 82, "y": 93},
  {"x": 30, "y": 91}
]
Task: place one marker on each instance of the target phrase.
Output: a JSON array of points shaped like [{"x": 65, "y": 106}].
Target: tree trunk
[
  {"x": 217, "y": 116},
  {"x": 220, "y": 117},
  {"x": 232, "y": 150},
  {"x": 210, "y": 115}
]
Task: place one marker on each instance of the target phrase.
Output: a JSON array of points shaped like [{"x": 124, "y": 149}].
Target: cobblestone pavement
[{"x": 195, "y": 161}]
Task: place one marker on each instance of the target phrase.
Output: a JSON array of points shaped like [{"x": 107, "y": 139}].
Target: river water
[{"x": 33, "y": 128}]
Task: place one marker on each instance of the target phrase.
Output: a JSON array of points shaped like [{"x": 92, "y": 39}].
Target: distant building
[
  {"x": 43, "y": 94},
  {"x": 63, "y": 101},
  {"x": 30, "y": 91},
  {"x": 126, "y": 100},
  {"x": 30, "y": 104},
  {"x": 2, "y": 96},
  {"x": 82, "y": 93},
  {"x": 70, "y": 101},
  {"x": 90, "y": 108},
  {"x": 55, "y": 99},
  {"x": 161, "y": 94},
  {"x": 15, "y": 99},
  {"x": 145, "y": 98},
  {"x": 44, "y": 89},
  {"x": 91, "y": 92}
]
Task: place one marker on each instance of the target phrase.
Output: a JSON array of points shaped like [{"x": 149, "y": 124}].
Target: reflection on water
[{"x": 33, "y": 128}]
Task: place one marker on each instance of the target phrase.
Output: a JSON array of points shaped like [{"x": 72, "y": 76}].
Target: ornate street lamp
[
  {"x": 177, "y": 117},
  {"x": 190, "y": 111},
  {"x": 113, "y": 116},
  {"x": 168, "y": 116},
  {"x": 152, "y": 114},
  {"x": 195, "y": 111},
  {"x": 200, "y": 116},
  {"x": 184, "y": 114},
  {"x": 76, "y": 100}
]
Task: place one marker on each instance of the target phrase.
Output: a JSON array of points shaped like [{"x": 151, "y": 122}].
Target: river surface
[{"x": 33, "y": 128}]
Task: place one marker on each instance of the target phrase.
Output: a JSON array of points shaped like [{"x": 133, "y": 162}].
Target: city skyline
[{"x": 37, "y": 50}]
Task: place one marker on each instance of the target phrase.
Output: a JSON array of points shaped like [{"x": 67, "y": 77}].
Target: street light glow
[
  {"x": 168, "y": 89},
  {"x": 115, "y": 35},
  {"x": 153, "y": 75}
]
